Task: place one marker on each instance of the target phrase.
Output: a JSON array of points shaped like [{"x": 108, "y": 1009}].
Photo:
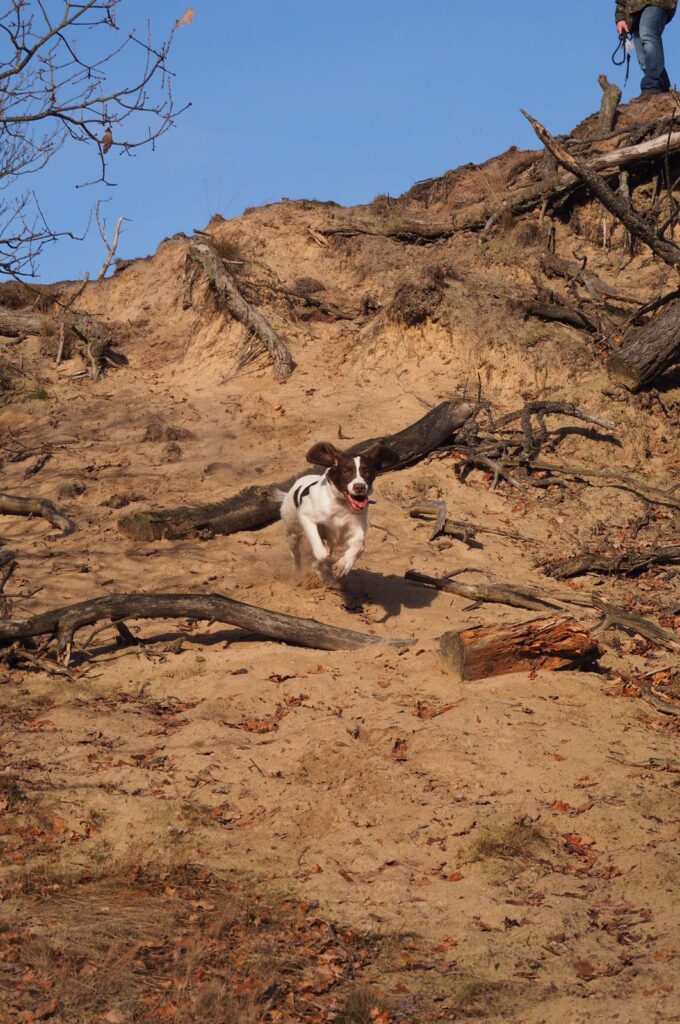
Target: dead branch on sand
[
  {"x": 64, "y": 622},
  {"x": 626, "y": 563}
]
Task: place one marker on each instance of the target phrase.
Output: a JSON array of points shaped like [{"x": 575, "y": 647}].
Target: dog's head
[{"x": 353, "y": 475}]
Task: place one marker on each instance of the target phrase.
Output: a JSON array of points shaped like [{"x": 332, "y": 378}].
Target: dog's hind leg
[{"x": 294, "y": 538}]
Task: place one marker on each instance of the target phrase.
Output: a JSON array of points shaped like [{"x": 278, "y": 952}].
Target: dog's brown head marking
[{"x": 353, "y": 475}]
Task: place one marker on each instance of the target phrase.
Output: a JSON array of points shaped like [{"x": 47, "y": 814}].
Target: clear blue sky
[{"x": 336, "y": 101}]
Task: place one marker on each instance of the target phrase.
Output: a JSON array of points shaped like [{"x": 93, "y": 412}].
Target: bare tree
[{"x": 70, "y": 74}]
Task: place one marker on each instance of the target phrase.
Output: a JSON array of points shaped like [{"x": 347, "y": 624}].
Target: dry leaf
[
  {"x": 399, "y": 749},
  {"x": 584, "y": 970},
  {"x": 186, "y": 18}
]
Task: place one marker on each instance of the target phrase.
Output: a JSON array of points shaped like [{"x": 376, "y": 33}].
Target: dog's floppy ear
[
  {"x": 323, "y": 453},
  {"x": 381, "y": 457}
]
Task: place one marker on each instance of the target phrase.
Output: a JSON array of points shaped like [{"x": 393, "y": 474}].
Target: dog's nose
[{"x": 359, "y": 489}]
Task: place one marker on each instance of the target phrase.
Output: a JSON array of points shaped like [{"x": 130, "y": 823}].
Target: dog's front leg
[
  {"x": 320, "y": 550},
  {"x": 351, "y": 553}
]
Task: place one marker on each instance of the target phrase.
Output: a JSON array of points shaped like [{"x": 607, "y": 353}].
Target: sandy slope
[{"x": 212, "y": 748}]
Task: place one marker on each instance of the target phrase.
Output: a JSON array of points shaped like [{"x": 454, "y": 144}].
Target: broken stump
[{"x": 547, "y": 642}]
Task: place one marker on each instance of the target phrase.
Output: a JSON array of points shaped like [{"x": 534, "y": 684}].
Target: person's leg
[{"x": 649, "y": 49}]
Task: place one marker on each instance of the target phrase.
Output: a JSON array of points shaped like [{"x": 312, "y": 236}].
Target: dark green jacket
[{"x": 626, "y": 10}]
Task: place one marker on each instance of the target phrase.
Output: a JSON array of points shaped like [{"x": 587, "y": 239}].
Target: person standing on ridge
[{"x": 646, "y": 21}]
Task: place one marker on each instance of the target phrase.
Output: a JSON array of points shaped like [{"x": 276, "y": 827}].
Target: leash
[{"x": 625, "y": 45}]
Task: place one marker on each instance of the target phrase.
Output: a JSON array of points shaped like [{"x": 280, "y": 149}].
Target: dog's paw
[{"x": 343, "y": 566}]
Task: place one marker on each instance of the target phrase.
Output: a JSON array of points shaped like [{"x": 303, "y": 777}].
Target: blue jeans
[{"x": 649, "y": 49}]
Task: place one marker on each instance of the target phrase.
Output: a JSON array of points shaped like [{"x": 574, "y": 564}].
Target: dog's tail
[{"x": 278, "y": 495}]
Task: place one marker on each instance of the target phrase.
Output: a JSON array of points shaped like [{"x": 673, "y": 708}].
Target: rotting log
[
  {"x": 257, "y": 505},
  {"x": 64, "y": 622},
  {"x": 12, "y": 505},
  {"x": 648, "y": 351},
  {"x": 204, "y": 252},
  {"x": 549, "y": 642},
  {"x": 19, "y": 323}
]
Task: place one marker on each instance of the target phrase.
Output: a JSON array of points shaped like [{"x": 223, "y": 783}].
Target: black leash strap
[{"x": 624, "y": 48}]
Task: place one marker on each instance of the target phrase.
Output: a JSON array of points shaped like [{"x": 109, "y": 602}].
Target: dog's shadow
[{"x": 393, "y": 593}]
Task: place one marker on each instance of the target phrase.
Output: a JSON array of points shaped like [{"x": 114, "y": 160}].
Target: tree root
[{"x": 11, "y": 505}]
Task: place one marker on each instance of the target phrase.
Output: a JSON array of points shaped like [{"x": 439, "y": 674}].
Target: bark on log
[
  {"x": 257, "y": 505},
  {"x": 63, "y": 622},
  {"x": 611, "y": 94},
  {"x": 203, "y": 252},
  {"x": 666, "y": 250},
  {"x": 549, "y": 642},
  {"x": 11, "y": 505},
  {"x": 647, "y": 352}
]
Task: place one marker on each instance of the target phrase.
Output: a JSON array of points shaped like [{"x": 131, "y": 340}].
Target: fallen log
[
  {"x": 19, "y": 323},
  {"x": 11, "y": 505},
  {"x": 412, "y": 233},
  {"x": 648, "y": 351},
  {"x": 257, "y": 505},
  {"x": 627, "y": 563},
  {"x": 559, "y": 312},
  {"x": 204, "y": 252},
  {"x": 550, "y": 642},
  {"x": 64, "y": 622}
]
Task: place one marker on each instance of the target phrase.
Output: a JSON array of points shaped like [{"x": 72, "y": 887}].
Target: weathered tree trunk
[
  {"x": 203, "y": 252},
  {"x": 63, "y": 622},
  {"x": 19, "y": 323},
  {"x": 549, "y": 642},
  {"x": 257, "y": 505},
  {"x": 648, "y": 351},
  {"x": 611, "y": 94}
]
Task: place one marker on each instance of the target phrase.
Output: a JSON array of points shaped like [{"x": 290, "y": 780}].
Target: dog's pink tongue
[{"x": 356, "y": 503}]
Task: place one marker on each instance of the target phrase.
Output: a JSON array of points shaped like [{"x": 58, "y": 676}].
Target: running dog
[{"x": 331, "y": 510}]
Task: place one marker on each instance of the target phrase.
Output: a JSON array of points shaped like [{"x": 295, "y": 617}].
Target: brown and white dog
[{"x": 331, "y": 510}]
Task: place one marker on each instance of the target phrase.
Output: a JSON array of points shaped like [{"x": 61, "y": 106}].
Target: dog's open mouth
[{"x": 357, "y": 502}]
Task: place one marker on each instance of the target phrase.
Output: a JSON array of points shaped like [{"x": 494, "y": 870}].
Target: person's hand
[{"x": 621, "y": 26}]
